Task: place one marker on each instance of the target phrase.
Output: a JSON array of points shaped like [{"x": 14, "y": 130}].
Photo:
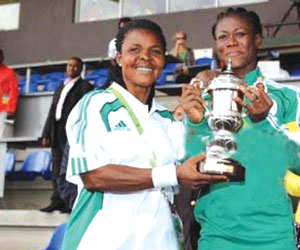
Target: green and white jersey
[
  {"x": 100, "y": 132},
  {"x": 255, "y": 214}
]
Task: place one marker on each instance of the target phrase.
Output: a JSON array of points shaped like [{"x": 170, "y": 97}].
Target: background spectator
[
  {"x": 9, "y": 93},
  {"x": 54, "y": 133},
  {"x": 185, "y": 54}
]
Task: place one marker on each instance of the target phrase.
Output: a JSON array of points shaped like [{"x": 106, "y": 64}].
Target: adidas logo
[{"x": 121, "y": 126}]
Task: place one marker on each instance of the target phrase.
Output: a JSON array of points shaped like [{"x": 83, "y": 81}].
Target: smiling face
[
  {"x": 235, "y": 39},
  {"x": 142, "y": 59}
]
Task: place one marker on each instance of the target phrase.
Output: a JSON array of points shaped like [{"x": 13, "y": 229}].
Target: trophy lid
[{"x": 227, "y": 79}]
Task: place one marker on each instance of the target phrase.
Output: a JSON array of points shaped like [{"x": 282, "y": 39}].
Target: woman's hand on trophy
[
  {"x": 260, "y": 103},
  {"x": 206, "y": 76},
  {"x": 192, "y": 102},
  {"x": 188, "y": 173}
]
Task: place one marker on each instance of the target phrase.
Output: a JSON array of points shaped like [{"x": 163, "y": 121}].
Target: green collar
[{"x": 251, "y": 76}]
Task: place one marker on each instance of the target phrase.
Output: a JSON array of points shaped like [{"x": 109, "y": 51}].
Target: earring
[{"x": 120, "y": 64}]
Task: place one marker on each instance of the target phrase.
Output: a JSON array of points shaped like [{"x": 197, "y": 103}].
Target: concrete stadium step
[
  {"x": 26, "y": 194},
  {"x": 27, "y": 229}
]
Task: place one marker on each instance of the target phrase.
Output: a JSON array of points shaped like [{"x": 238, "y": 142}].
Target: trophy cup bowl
[{"x": 225, "y": 119}]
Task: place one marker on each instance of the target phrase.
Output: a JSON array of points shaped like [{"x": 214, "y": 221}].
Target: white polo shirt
[{"x": 101, "y": 132}]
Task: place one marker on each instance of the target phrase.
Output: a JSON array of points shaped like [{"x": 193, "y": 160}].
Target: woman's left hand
[{"x": 260, "y": 105}]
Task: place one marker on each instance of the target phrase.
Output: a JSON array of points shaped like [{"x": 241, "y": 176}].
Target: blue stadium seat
[
  {"x": 33, "y": 86},
  {"x": 100, "y": 82},
  {"x": 95, "y": 74},
  {"x": 57, "y": 237},
  {"x": 162, "y": 79},
  {"x": 35, "y": 77},
  {"x": 51, "y": 81},
  {"x": 56, "y": 76},
  {"x": 34, "y": 82},
  {"x": 22, "y": 85},
  {"x": 104, "y": 72},
  {"x": 295, "y": 71},
  {"x": 171, "y": 67},
  {"x": 204, "y": 61},
  {"x": 167, "y": 75},
  {"x": 52, "y": 85},
  {"x": 170, "y": 70},
  {"x": 9, "y": 162},
  {"x": 35, "y": 164}
]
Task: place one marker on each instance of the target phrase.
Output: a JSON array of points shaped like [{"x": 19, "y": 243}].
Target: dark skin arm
[{"x": 120, "y": 178}]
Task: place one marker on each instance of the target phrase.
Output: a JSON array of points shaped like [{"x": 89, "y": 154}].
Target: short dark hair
[
  {"x": 243, "y": 13},
  {"x": 79, "y": 60},
  {"x": 123, "y": 20},
  {"x": 140, "y": 24},
  {"x": 136, "y": 24}
]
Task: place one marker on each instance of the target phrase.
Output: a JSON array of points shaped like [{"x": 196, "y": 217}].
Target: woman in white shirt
[{"x": 123, "y": 150}]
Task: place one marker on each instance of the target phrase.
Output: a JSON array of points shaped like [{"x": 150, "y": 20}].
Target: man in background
[
  {"x": 54, "y": 133},
  {"x": 9, "y": 94}
]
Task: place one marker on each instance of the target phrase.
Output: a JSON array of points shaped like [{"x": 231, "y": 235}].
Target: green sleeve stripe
[
  {"x": 81, "y": 105},
  {"x": 73, "y": 166},
  {"x": 287, "y": 95},
  {"x": 106, "y": 109},
  {"x": 166, "y": 114},
  {"x": 82, "y": 111},
  {"x": 79, "y": 165},
  {"x": 84, "y": 126},
  {"x": 87, "y": 206},
  {"x": 85, "y": 164},
  {"x": 80, "y": 162}
]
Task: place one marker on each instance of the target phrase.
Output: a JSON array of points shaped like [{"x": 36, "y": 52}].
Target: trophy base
[{"x": 229, "y": 167}]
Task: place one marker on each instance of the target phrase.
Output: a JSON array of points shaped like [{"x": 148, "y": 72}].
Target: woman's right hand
[
  {"x": 192, "y": 102},
  {"x": 188, "y": 173}
]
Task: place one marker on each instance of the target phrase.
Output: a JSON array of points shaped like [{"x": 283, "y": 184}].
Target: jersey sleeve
[
  {"x": 291, "y": 100},
  {"x": 85, "y": 132},
  {"x": 286, "y": 106}
]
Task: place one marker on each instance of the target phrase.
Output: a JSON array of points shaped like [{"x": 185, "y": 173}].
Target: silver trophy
[{"x": 224, "y": 118}]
